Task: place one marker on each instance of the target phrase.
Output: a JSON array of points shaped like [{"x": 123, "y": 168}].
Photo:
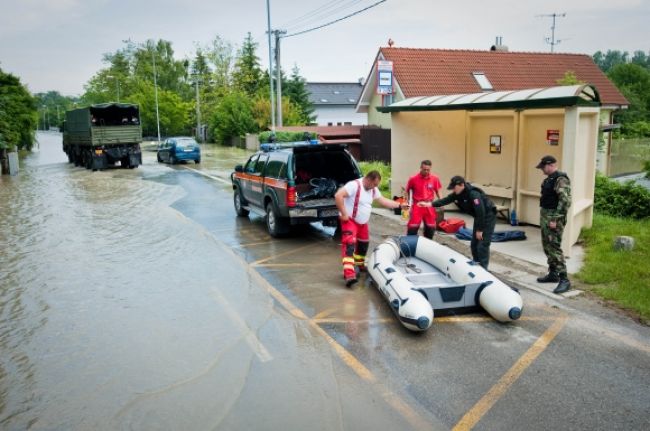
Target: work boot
[
  {"x": 551, "y": 277},
  {"x": 563, "y": 286},
  {"x": 349, "y": 281}
]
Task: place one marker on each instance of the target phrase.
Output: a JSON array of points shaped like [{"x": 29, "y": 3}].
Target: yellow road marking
[
  {"x": 251, "y": 339},
  {"x": 475, "y": 414},
  {"x": 286, "y": 253},
  {"x": 323, "y": 314},
  {"x": 291, "y": 265},
  {"x": 411, "y": 416}
]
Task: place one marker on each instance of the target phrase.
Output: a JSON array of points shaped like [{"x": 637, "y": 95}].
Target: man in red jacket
[{"x": 425, "y": 186}]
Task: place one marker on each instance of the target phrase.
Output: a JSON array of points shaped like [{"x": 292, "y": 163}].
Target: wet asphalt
[{"x": 136, "y": 299}]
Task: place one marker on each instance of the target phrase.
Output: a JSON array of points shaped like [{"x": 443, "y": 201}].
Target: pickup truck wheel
[
  {"x": 239, "y": 209},
  {"x": 277, "y": 226}
]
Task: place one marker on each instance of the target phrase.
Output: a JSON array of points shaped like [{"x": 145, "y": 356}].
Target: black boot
[
  {"x": 551, "y": 277},
  {"x": 563, "y": 286}
]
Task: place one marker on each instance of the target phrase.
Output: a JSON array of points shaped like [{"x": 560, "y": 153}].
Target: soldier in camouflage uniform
[{"x": 554, "y": 202}]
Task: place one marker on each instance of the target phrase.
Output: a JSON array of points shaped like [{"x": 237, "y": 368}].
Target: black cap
[
  {"x": 455, "y": 181},
  {"x": 546, "y": 160}
]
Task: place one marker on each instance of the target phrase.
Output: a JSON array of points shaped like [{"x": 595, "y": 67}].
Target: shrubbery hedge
[
  {"x": 621, "y": 200},
  {"x": 286, "y": 136}
]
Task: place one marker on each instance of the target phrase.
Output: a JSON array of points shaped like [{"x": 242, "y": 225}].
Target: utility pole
[
  {"x": 552, "y": 40},
  {"x": 268, "y": 32},
  {"x": 155, "y": 89},
  {"x": 278, "y": 35},
  {"x": 199, "y": 135}
]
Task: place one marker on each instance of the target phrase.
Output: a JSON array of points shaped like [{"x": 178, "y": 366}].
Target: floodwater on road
[{"x": 118, "y": 312}]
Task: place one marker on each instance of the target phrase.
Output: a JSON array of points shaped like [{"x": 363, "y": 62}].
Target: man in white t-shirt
[{"x": 354, "y": 201}]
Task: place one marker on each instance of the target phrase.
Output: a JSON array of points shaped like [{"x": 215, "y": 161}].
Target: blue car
[{"x": 178, "y": 149}]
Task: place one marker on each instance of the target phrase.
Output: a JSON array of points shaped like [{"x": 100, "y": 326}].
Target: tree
[
  {"x": 569, "y": 78},
  {"x": 233, "y": 117},
  {"x": 634, "y": 82},
  {"x": 247, "y": 74},
  {"x": 296, "y": 91},
  {"x": 18, "y": 114},
  {"x": 173, "y": 112},
  {"x": 611, "y": 59}
]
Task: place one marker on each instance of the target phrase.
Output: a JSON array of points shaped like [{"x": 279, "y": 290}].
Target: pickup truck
[{"x": 293, "y": 183}]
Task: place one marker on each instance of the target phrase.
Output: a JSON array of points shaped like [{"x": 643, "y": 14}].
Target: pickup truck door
[{"x": 257, "y": 181}]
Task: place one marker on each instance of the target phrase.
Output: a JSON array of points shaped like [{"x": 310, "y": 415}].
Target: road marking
[
  {"x": 251, "y": 339},
  {"x": 250, "y": 244},
  {"x": 207, "y": 175},
  {"x": 469, "y": 319},
  {"x": 474, "y": 415},
  {"x": 292, "y": 265},
  {"x": 286, "y": 253},
  {"x": 392, "y": 399},
  {"x": 323, "y": 314}
]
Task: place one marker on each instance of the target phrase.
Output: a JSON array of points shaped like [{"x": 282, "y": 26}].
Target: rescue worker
[
  {"x": 554, "y": 206},
  {"x": 474, "y": 201},
  {"x": 425, "y": 186},
  {"x": 354, "y": 202}
]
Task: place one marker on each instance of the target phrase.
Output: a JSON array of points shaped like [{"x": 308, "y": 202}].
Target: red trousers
[
  {"x": 419, "y": 214},
  {"x": 355, "y": 239}
]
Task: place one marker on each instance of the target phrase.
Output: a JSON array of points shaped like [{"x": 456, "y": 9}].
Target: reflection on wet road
[{"x": 118, "y": 310}]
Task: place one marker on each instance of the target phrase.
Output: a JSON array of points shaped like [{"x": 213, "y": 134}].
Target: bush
[
  {"x": 384, "y": 171},
  {"x": 646, "y": 168},
  {"x": 286, "y": 136},
  {"x": 621, "y": 200}
]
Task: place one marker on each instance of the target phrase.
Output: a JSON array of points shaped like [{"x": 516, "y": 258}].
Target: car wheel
[
  {"x": 277, "y": 226},
  {"x": 159, "y": 158},
  {"x": 197, "y": 161},
  {"x": 239, "y": 206},
  {"x": 172, "y": 160}
]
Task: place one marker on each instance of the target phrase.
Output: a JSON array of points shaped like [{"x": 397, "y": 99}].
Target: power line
[
  {"x": 327, "y": 14},
  {"x": 316, "y": 11},
  {"x": 336, "y": 20}
]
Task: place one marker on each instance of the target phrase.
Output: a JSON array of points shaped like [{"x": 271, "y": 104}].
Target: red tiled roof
[{"x": 428, "y": 72}]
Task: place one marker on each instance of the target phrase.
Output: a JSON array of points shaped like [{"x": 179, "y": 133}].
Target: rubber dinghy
[{"x": 417, "y": 275}]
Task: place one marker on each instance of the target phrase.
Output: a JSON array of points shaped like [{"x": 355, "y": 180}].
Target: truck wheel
[
  {"x": 172, "y": 160},
  {"x": 277, "y": 226},
  {"x": 239, "y": 208}
]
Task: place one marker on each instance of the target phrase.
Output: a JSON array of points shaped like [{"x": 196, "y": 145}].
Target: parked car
[
  {"x": 178, "y": 149},
  {"x": 293, "y": 183}
]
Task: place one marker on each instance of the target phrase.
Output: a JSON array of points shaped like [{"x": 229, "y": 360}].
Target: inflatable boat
[{"x": 417, "y": 276}]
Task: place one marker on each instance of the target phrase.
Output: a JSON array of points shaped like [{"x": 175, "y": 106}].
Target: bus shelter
[{"x": 495, "y": 140}]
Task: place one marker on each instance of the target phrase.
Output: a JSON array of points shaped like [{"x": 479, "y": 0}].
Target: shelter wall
[{"x": 438, "y": 136}]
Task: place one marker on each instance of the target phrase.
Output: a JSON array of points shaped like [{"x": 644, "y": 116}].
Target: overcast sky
[{"x": 59, "y": 44}]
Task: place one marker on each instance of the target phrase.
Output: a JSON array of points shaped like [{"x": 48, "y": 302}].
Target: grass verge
[{"x": 619, "y": 276}]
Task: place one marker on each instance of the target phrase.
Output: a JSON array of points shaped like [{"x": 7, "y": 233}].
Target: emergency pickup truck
[{"x": 293, "y": 183}]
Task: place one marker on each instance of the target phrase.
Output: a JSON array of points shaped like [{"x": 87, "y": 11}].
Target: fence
[{"x": 628, "y": 155}]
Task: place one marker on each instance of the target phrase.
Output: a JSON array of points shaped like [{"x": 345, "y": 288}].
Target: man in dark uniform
[
  {"x": 474, "y": 201},
  {"x": 554, "y": 205}
]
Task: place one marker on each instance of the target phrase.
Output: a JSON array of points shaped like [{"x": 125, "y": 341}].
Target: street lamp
[{"x": 117, "y": 85}]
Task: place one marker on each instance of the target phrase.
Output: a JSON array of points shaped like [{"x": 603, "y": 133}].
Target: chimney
[{"x": 498, "y": 45}]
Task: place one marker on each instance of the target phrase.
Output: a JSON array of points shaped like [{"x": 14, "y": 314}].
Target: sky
[{"x": 59, "y": 44}]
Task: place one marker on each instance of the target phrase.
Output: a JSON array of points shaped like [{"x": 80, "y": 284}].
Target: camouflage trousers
[{"x": 552, "y": 241}]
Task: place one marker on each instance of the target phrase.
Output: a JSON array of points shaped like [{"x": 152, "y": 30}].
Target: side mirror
[{"x": 239, "y": 168}]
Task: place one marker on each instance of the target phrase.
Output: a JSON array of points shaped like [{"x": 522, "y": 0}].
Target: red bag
[{"x": 451, "y": 225}]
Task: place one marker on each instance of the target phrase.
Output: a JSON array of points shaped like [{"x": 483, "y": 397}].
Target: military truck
[{"x": 99, "y": 136}]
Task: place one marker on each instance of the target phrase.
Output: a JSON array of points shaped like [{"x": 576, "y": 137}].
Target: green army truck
[{"x": 99, "y": 136}]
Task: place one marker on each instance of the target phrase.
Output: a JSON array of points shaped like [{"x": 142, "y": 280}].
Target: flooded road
[
  {"x": 136, "y": 299},
  {"x": 119, "y": 312}
]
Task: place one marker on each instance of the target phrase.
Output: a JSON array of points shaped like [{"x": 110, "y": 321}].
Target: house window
[
  {"x": 347, "y": 123},
  {"x": 482, "y": 81},
  {"x": 386, "y": 99}
]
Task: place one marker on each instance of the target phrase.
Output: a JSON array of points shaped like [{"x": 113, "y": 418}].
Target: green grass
[
  {"x": 619, "y": 276},
  {"x": 384, "y": 170}
]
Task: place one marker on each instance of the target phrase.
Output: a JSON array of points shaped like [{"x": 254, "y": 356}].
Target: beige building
[
  {"x": 434, "y": 72},
  {"x": 495, "y": 139}
]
